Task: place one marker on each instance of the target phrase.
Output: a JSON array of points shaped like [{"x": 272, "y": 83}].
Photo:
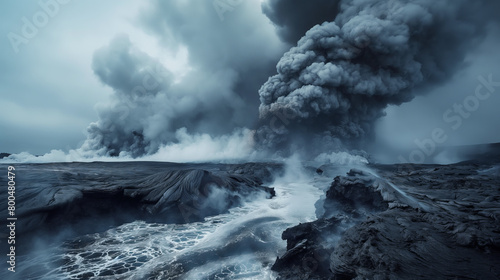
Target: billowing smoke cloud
[
  {"x": 337, "y": 81},
  {"x": 148, "y": 108},
  {"x": 293, "y": 18},
  {"x": 330, "y": 88},
  {"x": 140, "y": 84},
  {"x": 229, "y": 60}
]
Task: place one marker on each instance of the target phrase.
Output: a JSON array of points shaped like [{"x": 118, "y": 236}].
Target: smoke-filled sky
[{"x": 133, "y": 78}]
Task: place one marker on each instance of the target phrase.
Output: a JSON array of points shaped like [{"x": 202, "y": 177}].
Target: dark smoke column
[{"x": 337, "y": 81}]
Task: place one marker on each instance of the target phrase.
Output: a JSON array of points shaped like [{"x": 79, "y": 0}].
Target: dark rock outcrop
[
  {"x": 308, "y": 250},
  {"x": 356, "y": 193},
  {"x": 402, "y": 222}
]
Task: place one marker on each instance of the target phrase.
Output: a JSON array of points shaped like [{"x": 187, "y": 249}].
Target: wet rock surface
[{"x": 402, "y": 222}]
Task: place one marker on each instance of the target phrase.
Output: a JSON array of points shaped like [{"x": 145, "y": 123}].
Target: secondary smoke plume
[
  {"x": 333, "y": 86},
  {"x": 217, "y": 97}
]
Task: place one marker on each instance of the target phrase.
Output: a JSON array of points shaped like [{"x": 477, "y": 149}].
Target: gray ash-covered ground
[{"x": 402, "y": 222}]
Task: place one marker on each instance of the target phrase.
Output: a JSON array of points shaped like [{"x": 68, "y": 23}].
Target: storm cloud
[{"x": 337, "y": 81}]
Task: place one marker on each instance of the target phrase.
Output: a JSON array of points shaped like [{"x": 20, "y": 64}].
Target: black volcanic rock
[
  {"x": 308, "y": 251},
  {"x": 407, "y": 244},
  {"x": 356, "y": 192},
  {"x": 262, "y": 173},
  {"x": 403, "y": 222},
  {"x": 187, "y": 193},
  {"x": 80, "y": 198}
]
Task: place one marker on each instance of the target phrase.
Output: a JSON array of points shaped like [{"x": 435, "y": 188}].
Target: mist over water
[{"x": 235, "y": 147}]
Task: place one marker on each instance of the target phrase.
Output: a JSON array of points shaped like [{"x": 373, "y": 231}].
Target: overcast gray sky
[{"x": 49, "y": 91}]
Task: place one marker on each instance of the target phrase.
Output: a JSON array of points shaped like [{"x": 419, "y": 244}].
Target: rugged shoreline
[
  {"x": 72, "y": 199},
  {"x": 375, "y": 222},
  {"x": 402, "y": 222}
]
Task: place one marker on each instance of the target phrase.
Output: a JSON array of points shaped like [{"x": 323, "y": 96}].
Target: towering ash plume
[
  {"x": 333, "y": 86},
  {"x": 330, "y": 88}
]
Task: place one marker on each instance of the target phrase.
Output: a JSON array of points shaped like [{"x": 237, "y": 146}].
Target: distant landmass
[{"x": 4, "y": 155}]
